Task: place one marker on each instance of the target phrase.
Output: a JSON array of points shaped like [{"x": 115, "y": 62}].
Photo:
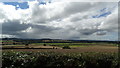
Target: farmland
[
  {"x": 60, "y": 54},
  {"x": 58, "y": 47},
  {"x": 73, "y": 49}
]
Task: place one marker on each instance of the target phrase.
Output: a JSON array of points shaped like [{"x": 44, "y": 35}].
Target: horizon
[{"x": 57, "y": 39}]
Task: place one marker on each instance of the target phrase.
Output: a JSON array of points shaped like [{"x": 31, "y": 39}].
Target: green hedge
[
  {"x": 59, "y": 60},
  {"x": 66, "y": 47}
]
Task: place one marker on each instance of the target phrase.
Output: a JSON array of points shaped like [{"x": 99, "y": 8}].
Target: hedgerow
[{"x": 12, "y": 59}]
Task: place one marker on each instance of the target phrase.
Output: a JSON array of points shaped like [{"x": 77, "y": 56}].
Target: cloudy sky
[{"x": 59, "y": 20}]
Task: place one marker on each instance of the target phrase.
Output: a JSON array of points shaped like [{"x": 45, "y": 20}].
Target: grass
[
  {"x": 75, "y": 44},
  {"x": 52, "y": 43},
  {"x": 67, "y": 44},
  {"x": 78, "y": 46},
  {"x": 13, "y": 45},
  {"x": 6, "y": 41}
]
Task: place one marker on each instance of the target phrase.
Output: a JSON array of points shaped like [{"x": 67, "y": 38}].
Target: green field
[
  {"x": 75, "y": 44},
  {"x": 72, "y": 45},
  {"x": 6, "y": 41}
]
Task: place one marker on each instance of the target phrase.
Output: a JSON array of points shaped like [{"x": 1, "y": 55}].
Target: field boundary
[{"x": 25, "y": 48}]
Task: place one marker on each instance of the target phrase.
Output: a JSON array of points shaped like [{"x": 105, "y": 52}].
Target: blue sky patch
[
  {"x": 102, "y": 10},
  {"x": 23, "y": 5},
  {"x": 102, "y": 15},
  {"x": 42, "y": 2}
]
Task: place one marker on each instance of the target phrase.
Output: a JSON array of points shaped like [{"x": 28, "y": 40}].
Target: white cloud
[
  {"x": 111, "y": 22},
  {"x": 86, "y": 0},
  {"x": 63, "y": 20}
]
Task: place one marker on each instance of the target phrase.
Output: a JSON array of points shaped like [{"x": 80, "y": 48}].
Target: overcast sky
[{"x": 60, "y": 20}]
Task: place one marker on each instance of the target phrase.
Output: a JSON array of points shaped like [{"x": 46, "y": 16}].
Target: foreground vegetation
[{"x": 14, "y": 59}]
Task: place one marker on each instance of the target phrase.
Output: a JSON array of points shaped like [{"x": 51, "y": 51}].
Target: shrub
[
  {"x": 66, "y": 47},
  {"x": 58, "y": 60},
  {"x": 44, "y": 44}
]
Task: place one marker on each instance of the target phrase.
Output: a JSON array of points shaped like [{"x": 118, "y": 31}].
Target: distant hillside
[{"x": 47, "y": 40}]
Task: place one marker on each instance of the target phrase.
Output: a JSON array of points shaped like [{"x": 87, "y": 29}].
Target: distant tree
[
  {"x": 44, "y": 44},
  {"x": 13, "y": 43},
  {"x": 53, "y": 47},
  {"x": 66, "y": 47},
  {"x": 26, "y": 44}
]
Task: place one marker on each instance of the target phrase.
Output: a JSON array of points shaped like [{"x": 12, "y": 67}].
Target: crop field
[
  {"x": 57, "y": 55},
  {"x": 74, "y": 49},
  {"x": 76, "y": 44},
  {"x": 58, "y": 47}
]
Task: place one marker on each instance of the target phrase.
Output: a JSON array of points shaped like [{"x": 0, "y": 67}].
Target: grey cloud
[
  {"x": 38, "y": 15},
  {"x": 12, "y": 27},
  {"x": 43, "y": 29},
  {"x": 88, "y": 31},
  {"x": 76, "y": 7},
  {"x": 78, "y": 18},
  {"x": 101, "y": 32},
  {"x": 38, "y": 31},
  {"x": 110, "y": 24},
  {"x": 70, "y": 9}
]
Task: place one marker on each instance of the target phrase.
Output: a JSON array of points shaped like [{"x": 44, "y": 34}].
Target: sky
[{"x": 59, "y": 20}]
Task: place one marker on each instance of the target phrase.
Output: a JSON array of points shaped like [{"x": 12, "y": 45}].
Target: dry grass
[{"x": 74, "y": 49}]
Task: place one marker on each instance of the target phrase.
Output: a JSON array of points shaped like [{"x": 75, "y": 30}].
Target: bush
[
  {"x": 44, "y": 44},
  {"x": 66, "y": 47},
  {"x": 58, "y": 60}
]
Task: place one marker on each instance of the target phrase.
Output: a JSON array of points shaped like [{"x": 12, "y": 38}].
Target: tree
[{"x": 44, "y": 44}]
